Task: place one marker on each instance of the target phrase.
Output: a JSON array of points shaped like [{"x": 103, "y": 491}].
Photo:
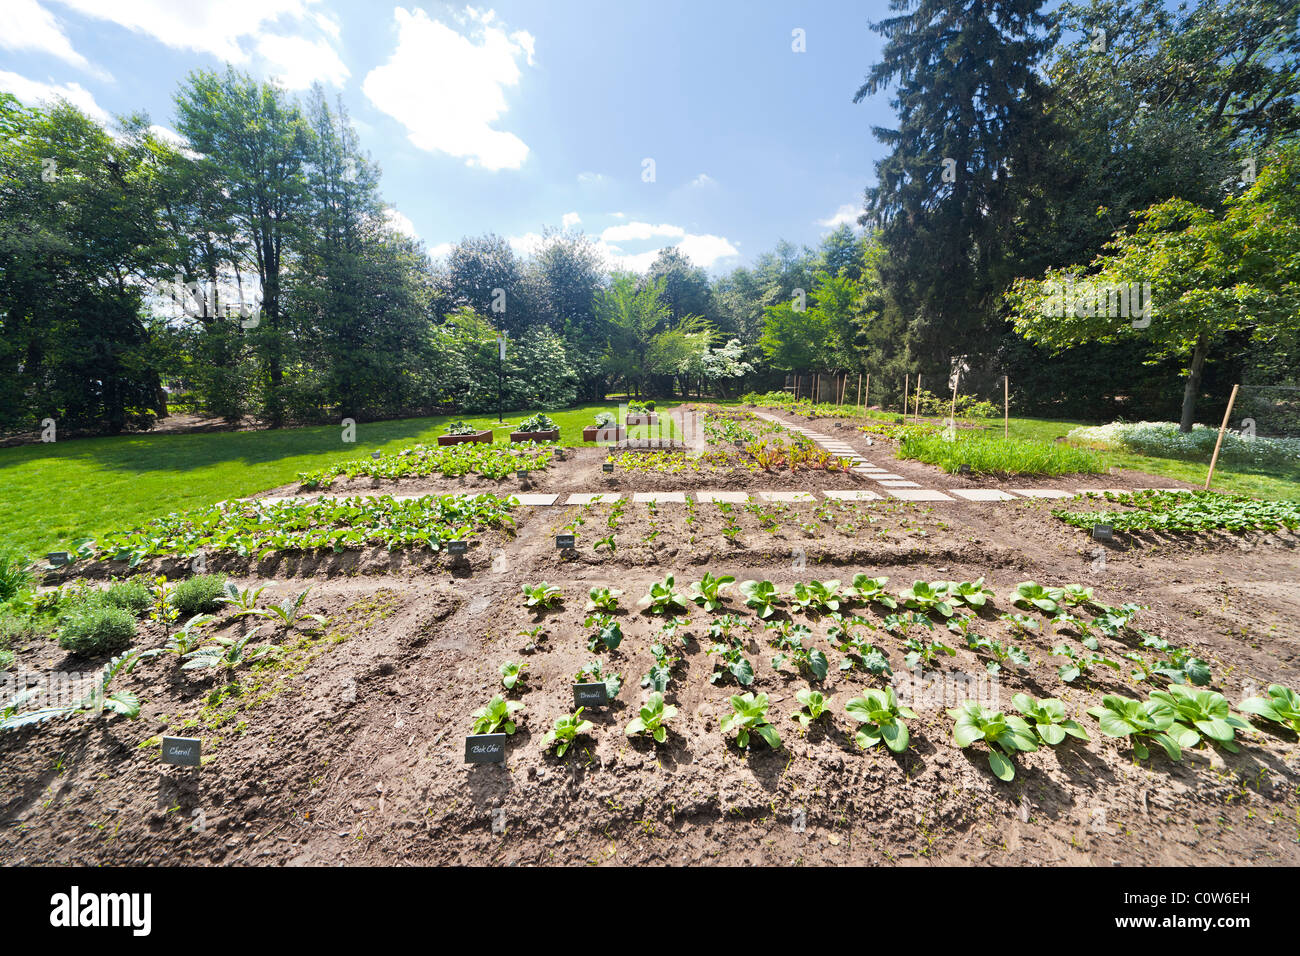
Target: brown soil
[{"x": 350, "y": 750}]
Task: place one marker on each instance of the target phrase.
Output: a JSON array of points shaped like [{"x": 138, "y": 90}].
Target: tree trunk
[{"x": 1193, "y": 388}]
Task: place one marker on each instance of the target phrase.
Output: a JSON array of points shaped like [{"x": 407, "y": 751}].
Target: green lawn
[{"x": 53, "y": 494}]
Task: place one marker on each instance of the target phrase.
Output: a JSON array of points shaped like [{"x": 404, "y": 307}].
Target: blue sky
[{"x": 513, "y": 116}]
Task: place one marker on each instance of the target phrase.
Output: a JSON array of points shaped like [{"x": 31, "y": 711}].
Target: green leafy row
[
  {"x": 451, "y": 461},
  {"x": 1187, "y": 512}
]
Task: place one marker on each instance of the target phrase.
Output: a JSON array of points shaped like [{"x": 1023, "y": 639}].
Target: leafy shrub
[
  {"x": 92, "y": 628},
  {"x": 131, "y": 595},
  {"x": 201, "y": 594},
  {"x": 538, "y": 423},
  {"x": 459, "y": 428}
]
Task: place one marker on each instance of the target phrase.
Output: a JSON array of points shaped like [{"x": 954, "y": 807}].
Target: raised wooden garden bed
[
  {"x": 643, "y": 418},
  {"x": 552, "y": 435},
  {"x": 485, "y": 437},
  {"x": 604, "y": 433}
]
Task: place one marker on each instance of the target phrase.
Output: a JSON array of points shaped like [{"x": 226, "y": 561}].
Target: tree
[
  {"x": 1209, "y": 276},
  {"x": 253, "y": 140},
  {"x": 685, "y": 287},
  {"x": 631, "y": 312}
]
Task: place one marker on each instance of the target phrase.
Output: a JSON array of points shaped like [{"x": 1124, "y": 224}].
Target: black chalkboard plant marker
[{"x": 182, "y": 751}]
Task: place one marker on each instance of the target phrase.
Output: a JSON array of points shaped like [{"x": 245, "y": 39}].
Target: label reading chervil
[
  {"x": 485, "y": 748},
  {"x": 564, "y": 541},
  {"x": 1103, "y": 532},
  {"x": 457, "y": 547},
  {"x": 182, "y": 751},
  {"x": 590, "y": 695}
]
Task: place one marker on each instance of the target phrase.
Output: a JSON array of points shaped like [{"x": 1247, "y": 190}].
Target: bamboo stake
[
  {"x": 918, "y": 396},
  {"x": 1006, "y": 407},
  {"x": 1222, "y": 428},
  {"x": 857, "y": 406},
  {"x": 905, "y": 378},
  {"x": 866, "y": 395}
]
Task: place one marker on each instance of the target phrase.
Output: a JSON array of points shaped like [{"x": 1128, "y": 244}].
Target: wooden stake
[
  {"x": 918, "y": 397},
  {"x": 1222, "y": 428},
  {"x": 1006, "y": 407},
  {"x": 858, "y": 404},
  {"x": 952, "y": 412},
  {"x": 905, "y": 378}
]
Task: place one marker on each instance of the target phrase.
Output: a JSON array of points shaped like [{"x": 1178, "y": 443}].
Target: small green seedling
[
  {"x": 749, "y": 715},
  {"x": 880, "y": 717},
  {"x": 1004, "y": 735},
  {"x": 542, "y": 595},
  {"x": 815, "y": 704},
  {"x": 512, "y": 674},
  {"x": 603, "y": 599},
  {"x": 1282, "y": 705},
  {"x": 707, "y": 592},
  {"x": 1047, "y": 718},
  {"x": 662, "y": 599},
  {"x": 653, "y": 719},
  {"x": 496, "y": 715},
  {"x": 762, "y": 596},
  {"x": 566, "y": 730}
]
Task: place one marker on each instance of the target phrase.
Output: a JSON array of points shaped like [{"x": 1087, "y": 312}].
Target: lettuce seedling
[
  {"x": 749, "y": 715},
  {"x": 1047, "y": 717},
  {"x": 880, "y": 717},
  {"x": 869, "y": 589},
  {"x": 970, "y": 593},
  {"x": 921, "y": 653},
  {"x": 607, "y": 632},
  {"x": 542, "y": 595},
  {"x": 567, "y": 728},
  {"x": 512, "y": 674},
  {"x": 496, "y": 715},
  {"x": 1206, "y": 711},
  {"x": 594, "y": 673},
  {"x": 1179, "y": 666},
  {"x": 815, "y": 703},
  {"x": 654, "y": 718},
  {"x": 1076, "y": 595},
  {"x": 1141, "y": 721},
  {"x": 1080, "y": 664},
  {"x": 661, "y": 673},
  {"x": 734, "y": 661},
  {"x": 820, "y": 596},
  {"x": 662, "y": 598},
  {"x": 1112, "y": 620},
  {"x": 926, "y": 597},
  {"x": 1004, "y": 735},
  {"x": 1028, "y": 594},
  {"x": 603, "y": 599},
  {"x": 707, "y": 592},
  {"x": 1282, "y": 705},
  {"x": 762, "y": 596}
]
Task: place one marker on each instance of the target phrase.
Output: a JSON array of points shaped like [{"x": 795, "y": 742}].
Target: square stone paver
[
  {"x": 860, "y": 494},
  {"x": 536, "y": 500},
  {"x": 787, "y": 496},
  {"x": 589, "y": 498},
  {"x": 660, "y": 497},
  {"x": 889, "y": 476},
  {"x": 730, "y": 497},
  {"x": 899, "y": 483},
  {"x": 982, "y": 494},
  {"x": 1043, "y": 493},
  {"x": 919, "y": 494}
]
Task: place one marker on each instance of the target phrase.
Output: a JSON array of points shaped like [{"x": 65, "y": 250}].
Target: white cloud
[
  {"x": 619, "y": 215},
  {"x": 400, "y": 223},
  {"x": 845, "y": 215},
  {"x": 570, "y": 219},
  {"x": 298, "y": 62},
  {"x": 592, "y": 179},
  {"x": 706, "y": 249},
  {"x": 205, "y": 26},
  {"x": 441, "y": 250},
  {"x": 447, "y": 88},
  {"x": 33, "y": 91},
  {"x": 526, "y": 245},
  {"x": 29, "y": 26},
  {"x": 704, "y": 179},
  {"x": 640, "y": 230}
]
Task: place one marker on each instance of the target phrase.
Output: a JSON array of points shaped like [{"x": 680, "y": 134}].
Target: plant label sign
[
  {"x": 608, "y": 467},
  {"x": 522, "y": 474},
  {"x": 963, "y": 469},
  {"x": 590, "y": 695},
  {"x": 57, "y": 558},
  {"x": 457, "y": 547},
  {"x": 181, "y": 751},
  {"x": 564, "y": 541},
  {"x": 485, "y": 748},
  {"x": 1103, "y": 532}
]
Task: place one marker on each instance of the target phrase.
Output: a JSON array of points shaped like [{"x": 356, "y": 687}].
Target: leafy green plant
[
  {"x": 1047, "y": 718},
  {"x": 1077, "y": 664},
  {"x": 653, "y": 718},
  {"x": 131, "y": 595},
  {"x": 200, "y": 594},
  {"x": 820, "y": 596},
  {"x": 707, "y": 592},
  {"x": 661, "y": 672},
  {"x": 535, "y": 634},
  {"x": 762, "y": 596},
  {"x": 542, "y": 595},
  {"x": 869, "y": 590},
  {"x": 567, "y": 729},
  {"x": 920, "y": 652},
  {"x": 815, "y": 704},
  {"x": 749, "y": 716},
  {"x": 857, "y": 650},
  {"x": 1030, "y": 594},
  {"x": 93, "y": 628},
  {"x": 511, "y": 674},
  {"x": 1142, "y": 721},
  {"x": 96, "y": 701},
  {"x": 791, "y": 640},
  {"x": 244, "y": 602},
  {"x": 662, "y": 598},
  {"x": 608, "y": 632},
  {"x": 734, "y": 663},
  {"x": 1076, "y": 595},
  {"x": 880, "y": 717},
  {"x": 15, "y": 575},
  {"x": 603, "y": 599},
  {"x": 185, "y": 640},
  {"x": 289, "y": 614},
  {"x": 926, "y": 597},
  {"x": 1021, "y": 624},
  {"x": 1203, "y": 712},
  {"x": 1282, "y": 705},
  {"x": 537, "y": 423},
  {"x": 1178, "y": 664},
  {"x": 230, "y": 653},
  {"x": 594, "y": 673},
  {"x": 971, "y": 593},
  {"x": 163, "y": 612},
  {"x": 459, "y": 428},
  {"x": 1004, "y": 735},
  {"x": 1186, "y": 513},
  {"x": 496, "y": 714}
]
